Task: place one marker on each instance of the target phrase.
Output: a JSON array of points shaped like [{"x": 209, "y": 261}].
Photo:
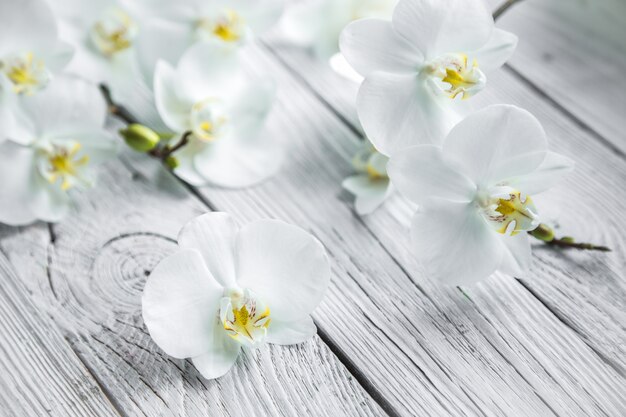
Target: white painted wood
[
  {"x": 39, "y": 372},
  {"x": 98, "y": 265}
]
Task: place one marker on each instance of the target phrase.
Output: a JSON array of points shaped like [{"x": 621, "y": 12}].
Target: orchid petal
[
  {"x": 497, "y": 51},
  {"x": 517, "y": 256},
  {"x": 291, "y": 332},
  {"x": 553, "y": 168},
  {"x": 369, "y": 193},
  {"x": 180, "y": 304},
  {"x": 220, "y": 358},
  {"x": 173, "y": 109},
  {"x": 284, "y": 265}
]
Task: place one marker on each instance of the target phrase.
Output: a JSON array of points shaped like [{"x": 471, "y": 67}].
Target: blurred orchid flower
[
  {"x": 318, "y": 23},
  {"x": 370, "y": 185},
  {"x": 474, "y": 194},
  {"x": 60, "y": 142},
  {"x": 229, "y": 287},
  {"x": 230, "y": 23},
  {"x": 209, "y": 95},
  {"x": 432, "y": 52}
]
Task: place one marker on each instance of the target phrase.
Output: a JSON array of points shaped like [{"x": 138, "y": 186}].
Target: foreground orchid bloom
[
  {"x": 370, "y": 185},
  {"x": 60, "y": 142},
  {"x": 180, "y": 24},
  {"x": 432, "y": 52},
  {"x": 210, "y": 96},
  {"x": 229, "y": 288},
  {"x": 475, "y": 194}
]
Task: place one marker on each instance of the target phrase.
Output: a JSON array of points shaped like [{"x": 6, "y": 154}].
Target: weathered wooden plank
[
  {"x": 39, "y": 372},
  {"x": 575, "y": 52},
  {"x": 98, "y": 264},
  {"x": 462, "y": 362}
]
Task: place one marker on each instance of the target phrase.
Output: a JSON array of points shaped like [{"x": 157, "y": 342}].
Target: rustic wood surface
[{"x": 390, "y": 342}]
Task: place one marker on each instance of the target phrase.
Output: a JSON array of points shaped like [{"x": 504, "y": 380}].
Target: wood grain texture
[
  {"x": 39, "y": 372},
  {"x": 98, "y": 264}
]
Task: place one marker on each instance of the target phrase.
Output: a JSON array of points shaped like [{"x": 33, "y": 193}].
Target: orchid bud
[
  {"x": 543, "y": 232},
  {"x": 140, "y": 137},
  {"x": 568, "y": 239},
  {"x": 171, "y": 162}
]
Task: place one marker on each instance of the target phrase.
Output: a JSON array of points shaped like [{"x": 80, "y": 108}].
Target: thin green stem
[{"x": 503, "y": 8}]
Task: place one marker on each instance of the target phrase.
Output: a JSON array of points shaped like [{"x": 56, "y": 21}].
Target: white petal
[
  {"x": 214, "y": 236},
  {"x": 58, "y": 56},
  {"x": 398, "y": 111},
  {"x": 370, "y": 193},
  {"x": 180, "y": 304},
  {"x": 372, "y": 45},
  {"x": 497, "y": 51},
  {"x": 161, "y": 40},
  {"x": 26, "y": 25},
  {"x": 67, "y": 102},
  {"x": 252, "y": 106},
  {"x": 498, "y": 142},
  {"x": 222, "y": 356},
  {"x": 186, "y": 169},
  {"x": 420, "y": 172},
  {"x": 208, "y": 70},
  {"x": 262, "y": 15},
  {"x": 553, "y": 168},
  {"x": 286, "y": 266},
  {"x": 437, "y": 27},
  {"x": 454, "y": 243},
  {"x": 173, "y": 108},
  {"x": 17, "y": 163},
  {"x": 516, "y": 256},
  {"x": 49, "y": 203},
  {"x": 291, "y": 332},
  {"x": 240, "y": 161}
]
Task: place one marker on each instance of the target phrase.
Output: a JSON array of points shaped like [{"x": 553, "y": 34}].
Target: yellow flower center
[
  {"x": 113, "y": 33},
  {"x": 371, "y": 162},
  {"x": 26, "y": 73},
  {"x": 63, "y": 164},
  {"x": 509, "y": 212},
  {"x": 228, "y": 26},
  {"x": 208, "y": 119},
  {"x": 454, "y": 75},
  {"x": 244, "y": 317}
]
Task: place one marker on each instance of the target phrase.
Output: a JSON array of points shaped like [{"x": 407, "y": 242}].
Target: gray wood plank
[
  {"x": 39, "y": 372},
  {"x": 428, "y": 350},
  {"x": 98, "y": 264},
  {"x": 575, "y": 52}
]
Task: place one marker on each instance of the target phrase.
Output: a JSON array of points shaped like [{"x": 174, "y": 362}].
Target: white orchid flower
[
  {"x": 317, "y": 24},
  {"x": 432, "y": 52},
  {"x": 61, "y": 142},
  {"x": 103, "y": 33},
  {"x": 230, "y": 23},
  {"x": 30, "y": 51},
  {"x": 229, "y": 287},
  {"x": 209, "y": 95},
  {"x": 474, "y": 194},
  {"x": 370, "y": 185}
]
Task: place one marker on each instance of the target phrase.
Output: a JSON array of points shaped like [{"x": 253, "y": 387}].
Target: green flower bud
[
  {"x": 171, "y": 162},
  {"x": 140, "y": 137},
  {"x": 543, "y": 232},
  {"x": 568, "y": 239}
]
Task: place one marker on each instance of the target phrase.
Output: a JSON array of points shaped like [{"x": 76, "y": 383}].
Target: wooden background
[{"x": 390, "y": 342}]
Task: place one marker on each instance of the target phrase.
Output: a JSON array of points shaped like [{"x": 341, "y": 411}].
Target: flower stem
[
  {"x": 545, "y": 233},
  {"x": 503, "y": 8},
  {"x": 115, "y": 109}
]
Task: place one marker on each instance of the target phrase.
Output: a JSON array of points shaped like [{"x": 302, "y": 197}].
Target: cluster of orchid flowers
[{"x": 65, "y": 65}]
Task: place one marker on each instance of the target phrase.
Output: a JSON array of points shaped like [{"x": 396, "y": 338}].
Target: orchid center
[
  {"x": 27, "y": 73},
  {"x": 113, "y": 33},
  {"x": 227, "y": 26},
  {"x": 507, "y": 210},
  {"x": 371, "y": 162},
  {"x": 453, "y": 75},
  {"x": 63, "y": 163},
  {"x": 208, "y": 119},
  {"x": 244, "y": 316}
]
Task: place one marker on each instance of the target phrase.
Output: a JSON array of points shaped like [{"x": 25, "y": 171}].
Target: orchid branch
[
  {"x": 503, "y": 8},
  {"x": 142, "y": 138},
  {"x": 545, "y": 233}
]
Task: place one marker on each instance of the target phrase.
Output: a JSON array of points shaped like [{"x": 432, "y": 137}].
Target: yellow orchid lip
[
  {"x": 63, "y": 163},
  {"x": 455, "y": 76},
  {"x": 113, "y": 33},
  {"x": 27, "y": 73},
  {"x": 244, "y": 317},
  {"x": 208, "y": 119},
  {"x": 510, "y": 212},
  {"x": 229, "y": 26}
]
